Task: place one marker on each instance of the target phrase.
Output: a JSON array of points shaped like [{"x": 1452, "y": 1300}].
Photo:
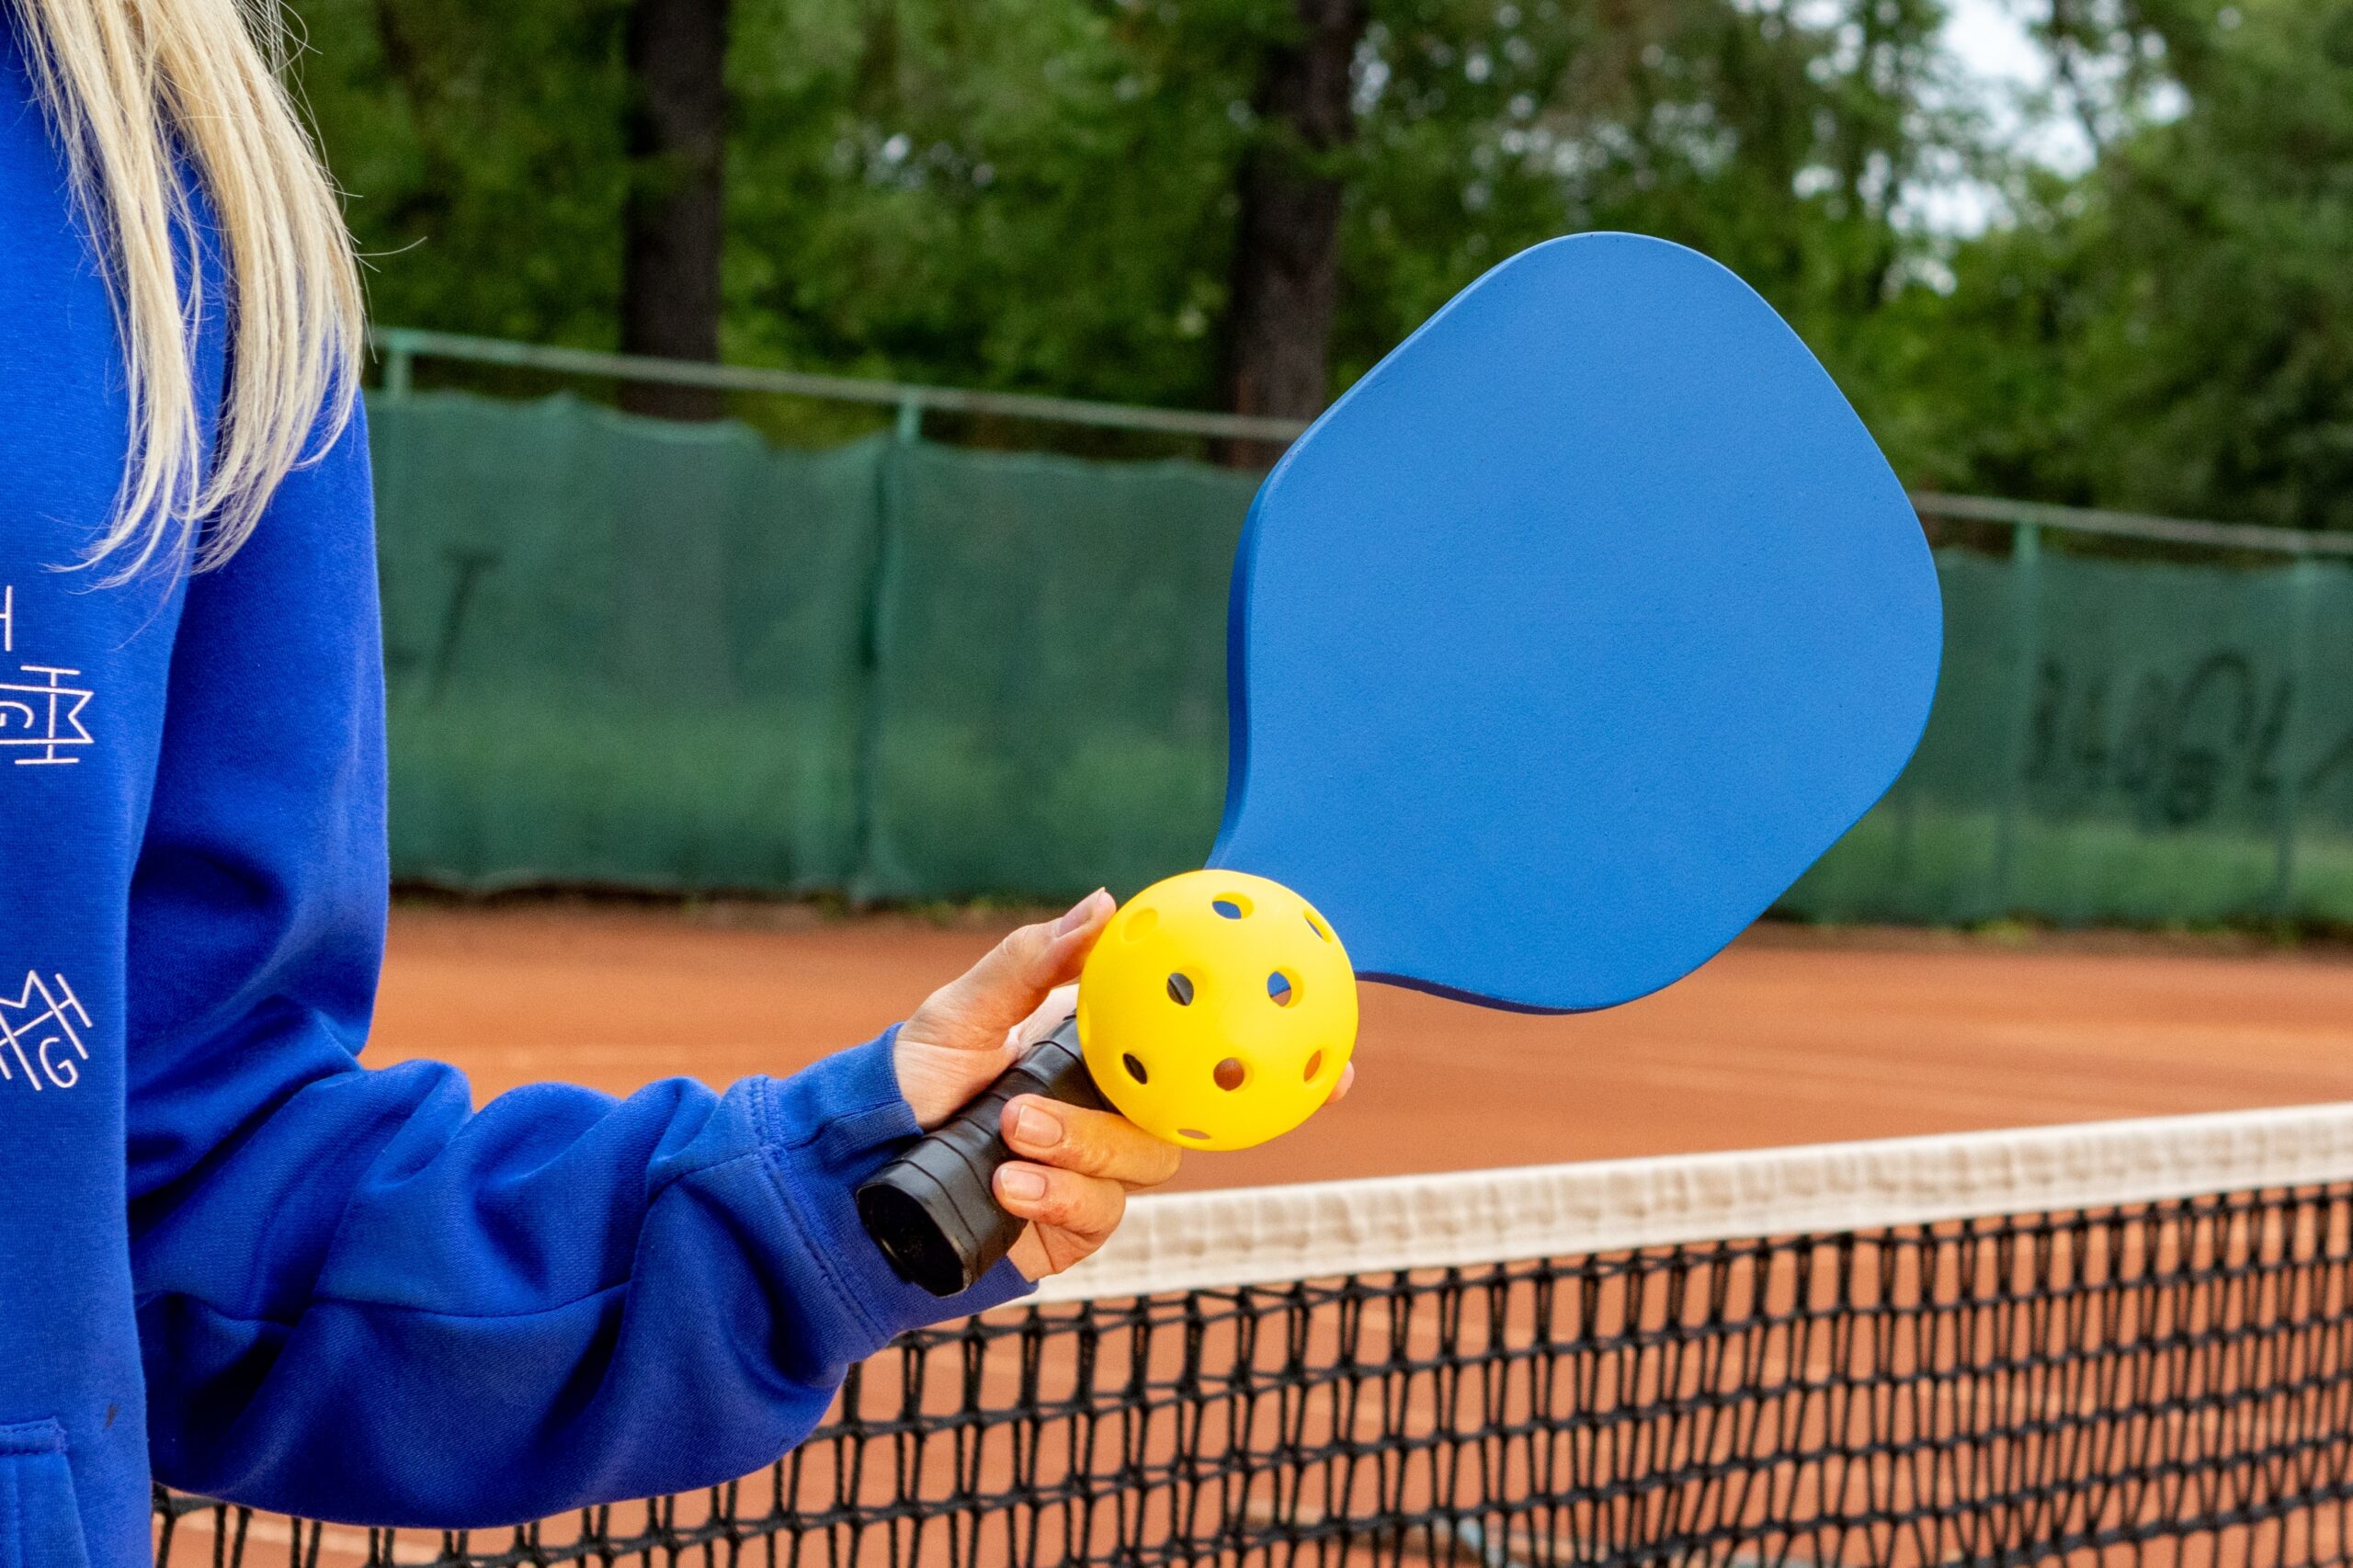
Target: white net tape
[{"x": 1320, "y": 1230}]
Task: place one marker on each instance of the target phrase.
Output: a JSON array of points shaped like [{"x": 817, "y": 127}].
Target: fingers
[
  {"x": 974, "y": 1027},
  {"x": 1095, "y": 1144},
  {"x": 1072, "y": 1184},
  {"x": 1071, "y": 1216},
  {"x": 1347, "y": 1081},
  {"x": 1059, "y": 1004},
  {"x": 975, "y": 1011},
  {"x": 1076, "y": 1169}
]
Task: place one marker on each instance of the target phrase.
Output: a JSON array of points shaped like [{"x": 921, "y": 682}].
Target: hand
[
  {"x": 968, "y": 1031},
  {"x": 1079, "y": 1166},
  {"x": 1073, "y": 1181}
]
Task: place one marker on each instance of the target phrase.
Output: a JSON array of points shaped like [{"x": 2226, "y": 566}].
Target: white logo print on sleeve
[
  {"x": 40, "y": 1034},
  {"x": 41, "y": 715}
]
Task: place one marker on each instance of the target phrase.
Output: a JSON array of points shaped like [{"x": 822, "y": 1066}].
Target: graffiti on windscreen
[{"x": 2177, "y": 746}]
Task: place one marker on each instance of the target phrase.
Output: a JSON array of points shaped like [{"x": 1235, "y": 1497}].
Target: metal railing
[
  {"x": 2032, "y": 517},
  {"x": 399, "y": 348}
]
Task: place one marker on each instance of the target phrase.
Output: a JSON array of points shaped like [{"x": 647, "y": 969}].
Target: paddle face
[{"x": 1570, "y": 636}]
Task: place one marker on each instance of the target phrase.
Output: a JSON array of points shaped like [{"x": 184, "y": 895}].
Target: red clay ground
[{"x": 1793, "y": 1036}]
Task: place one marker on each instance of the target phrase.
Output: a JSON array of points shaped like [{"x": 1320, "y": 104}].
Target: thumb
[{"x": 974, "y": 1011}]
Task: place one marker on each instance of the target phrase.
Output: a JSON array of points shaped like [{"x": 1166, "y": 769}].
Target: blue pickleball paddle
[
  {"x": 1573, "y": 633},
  {"x": 1560, "y": 646}
]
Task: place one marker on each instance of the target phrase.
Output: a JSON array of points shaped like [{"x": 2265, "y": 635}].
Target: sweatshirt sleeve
[{"x": 359, "y": 1298}]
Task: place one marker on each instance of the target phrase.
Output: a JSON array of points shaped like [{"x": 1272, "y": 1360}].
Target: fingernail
[
  {"x": 1078, "y": 915},
  {"x": 1026, "y": 1185},
  {"x": 1037, "y": 1128}
]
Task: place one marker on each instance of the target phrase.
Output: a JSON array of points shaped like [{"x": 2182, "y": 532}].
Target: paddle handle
[{"x": 933, "y": 1210}]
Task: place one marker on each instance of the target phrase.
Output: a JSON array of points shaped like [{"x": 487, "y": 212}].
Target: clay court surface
[{"x": 1791, "y": 1036}]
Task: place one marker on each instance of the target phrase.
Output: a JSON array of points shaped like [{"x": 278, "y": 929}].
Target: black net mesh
[{"x": 2163, "y": 1382}]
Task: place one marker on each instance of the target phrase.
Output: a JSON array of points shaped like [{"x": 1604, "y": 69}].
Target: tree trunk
[
  {"x": 677, "y": 145},
  {"x": 1285, "y": 279}
]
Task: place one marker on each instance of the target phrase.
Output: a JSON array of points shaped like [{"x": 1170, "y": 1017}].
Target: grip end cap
[{"x": 920, "y": 1252}]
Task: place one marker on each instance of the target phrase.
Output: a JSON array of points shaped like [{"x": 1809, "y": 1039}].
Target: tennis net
[{"x": 2123, "y": 1342}]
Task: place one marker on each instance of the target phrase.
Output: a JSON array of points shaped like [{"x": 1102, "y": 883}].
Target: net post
[
  {"x": 400, "y": 364},
  {"x": 867, "y": 879},
  {"x": 2026, "y": 643},
  {"x": 2295, "y": 686}
]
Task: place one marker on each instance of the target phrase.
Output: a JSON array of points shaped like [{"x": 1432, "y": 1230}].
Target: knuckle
[
  {"x": 941, "y": 1019},
  {"x": 1076, "y": 1249},
  {"x": 1069, "y": 1201},
  {"x": 1097, "y": 1211},
  {"x": 1135, "y": 1156},
  {"x": 1094, "y": 1142},
  {"x": 1073, "y": 1205}
]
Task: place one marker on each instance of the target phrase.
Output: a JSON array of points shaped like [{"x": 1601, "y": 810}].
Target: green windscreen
[{"x": 622, "y": 653}]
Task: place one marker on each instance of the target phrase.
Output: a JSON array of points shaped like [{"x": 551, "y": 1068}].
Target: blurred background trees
[{"x": 1242, "y": 203}]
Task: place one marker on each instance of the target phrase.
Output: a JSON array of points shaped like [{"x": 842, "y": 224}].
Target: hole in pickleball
[
  {"x": 1231, "y": 1074},
  {"x": 1232, "y": 905},
  {"x": 1317, "y": 926},
  {"x": 1279, "y": 989},
  {"x": 1180, "y": 990},
  {"x": 1139, "y": 924},
  {"x": 1189, "y": 1133},
  {"x": 1135, "y": 1069},
  {"x": 1314, "y": 1065}
]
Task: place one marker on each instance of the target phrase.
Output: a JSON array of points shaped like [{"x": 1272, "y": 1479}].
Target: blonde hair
[{"x": 136, "y": 90}]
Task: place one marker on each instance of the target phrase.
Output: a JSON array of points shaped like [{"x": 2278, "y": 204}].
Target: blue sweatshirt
[{"x": 228, "y": 1250}]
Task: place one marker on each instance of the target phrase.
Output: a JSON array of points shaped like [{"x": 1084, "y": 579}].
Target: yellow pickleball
[{"x": 1217, "y": 1010}]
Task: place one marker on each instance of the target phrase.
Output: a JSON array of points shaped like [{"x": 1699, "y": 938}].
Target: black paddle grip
[{"x": 933, "y": 1210}]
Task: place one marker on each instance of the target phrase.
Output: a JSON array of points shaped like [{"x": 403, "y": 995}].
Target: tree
[
  {"x": 1285, "y": 278},
  {"x": 1163, "y": 201},
  {"x": 483, "y": 146},
  {"x": 2172, "y": 331},
  {"x": 1786, "y": 149},
  {"x": 675, "y": 225}
]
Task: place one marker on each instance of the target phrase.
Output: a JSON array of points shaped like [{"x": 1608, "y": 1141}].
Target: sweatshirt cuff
[{"x": 830, "y": 1127}]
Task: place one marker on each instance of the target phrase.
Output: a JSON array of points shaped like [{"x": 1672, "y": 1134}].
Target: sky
[
  {"x": 1992, "y": 43},
  {"x": 2006, "y": 74}
]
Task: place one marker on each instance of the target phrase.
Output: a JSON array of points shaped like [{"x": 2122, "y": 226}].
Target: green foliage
[
  {"x": 2173, "y": 332},
  {"x": 1041, "y": 194},
  {"x": 481, "y": 149},
  {"x": 995, "y": 192},
  {"x": 1783, "y": 150}
]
